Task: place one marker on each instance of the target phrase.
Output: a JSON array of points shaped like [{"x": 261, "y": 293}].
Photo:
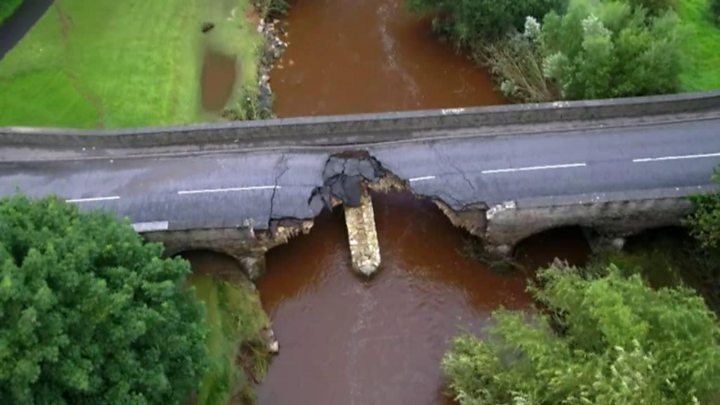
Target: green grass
[
  {"x": 7, "y": 8},
  {"x": 110, "y": 63},
  {"x": 701, "y": 48},
  {"x": 235, "y": 320}
]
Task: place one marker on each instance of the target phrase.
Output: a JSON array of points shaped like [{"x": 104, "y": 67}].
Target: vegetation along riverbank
[
  {"x": 7, "y": 8},
  {"x": 543, "y": 50},
  {"x": 638, "y": 327},
  {"x": 126, "y": 64}
]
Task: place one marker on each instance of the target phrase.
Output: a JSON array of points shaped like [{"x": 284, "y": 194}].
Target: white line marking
[
  {"x": 531, "y": 168},
  {"x": 658, "y": 159},
  {"x": 225, "y": 190},
  {"x": 82, "y": 200},
  {"x": 150, "y": 226},
  {"x": 423, "y": 178}
]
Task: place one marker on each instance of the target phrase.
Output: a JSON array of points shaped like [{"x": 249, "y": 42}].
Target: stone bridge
[{"x": 614, "y": 167}]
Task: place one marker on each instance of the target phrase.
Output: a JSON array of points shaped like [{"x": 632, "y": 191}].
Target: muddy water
[
  {"x": 347, "y": 341},
  {"x": 218, "y": 79},
  {"x": 356, "y": 56}
]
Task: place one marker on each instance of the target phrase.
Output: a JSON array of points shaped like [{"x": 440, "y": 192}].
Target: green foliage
[
  {"x": 654, "y": 7},
  {"x": 704, "y": 222},
  {"x": 470, "y": 21},
  {"x": 236, "y": 344},
  {"x": 605, "y": 340},
  {"x": 611, "y": 50},
  {"x": 89, "y": 313},
  {"x": 7, "y": 8},
  {"x": 715, "y": 9}
]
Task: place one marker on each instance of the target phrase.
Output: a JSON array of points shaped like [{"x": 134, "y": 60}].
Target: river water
[
  {"x": 360, "y": 56},
  {"x": 345, "y": 340}
]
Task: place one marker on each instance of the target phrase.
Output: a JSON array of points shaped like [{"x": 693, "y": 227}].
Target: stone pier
[{"x": 362, "y": 235}]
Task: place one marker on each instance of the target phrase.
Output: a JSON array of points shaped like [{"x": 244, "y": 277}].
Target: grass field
[
  {"x": 235, "y": 319},
  {"x": 701, "y": 48},
  {"x": 109, "y": 63}
]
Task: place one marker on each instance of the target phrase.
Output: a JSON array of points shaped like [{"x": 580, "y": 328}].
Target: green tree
[
  {"x": 470, "y": 21},
  {"x": 611, "y": 49},
  {"x": 89, "y": 313},
  {"x": 715, "y": 10},
  {"x": 604, "y": 340}
]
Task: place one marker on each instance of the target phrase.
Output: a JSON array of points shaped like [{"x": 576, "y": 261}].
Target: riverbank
[
  {"x": 109, "y": 64},
  {"x": 237, "y": 325}
]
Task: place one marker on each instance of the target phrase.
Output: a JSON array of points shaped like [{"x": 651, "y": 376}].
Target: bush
[
  {"x": 606, "y": 340},
  {"x": 8, "y": 8},
  {"x": 469, "y": 21},
  {"x": 517, "y": 61},
  {"x": 715, "y": 9},
  {"x": 611, "y": 50},
  {"x": 89, "y": 313}
]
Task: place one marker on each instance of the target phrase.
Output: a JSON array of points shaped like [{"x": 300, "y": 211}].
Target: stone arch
[{"x": 571, "y": 237}]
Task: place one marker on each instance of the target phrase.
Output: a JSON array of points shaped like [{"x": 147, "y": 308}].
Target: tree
[
  {"x": 606, "y": 340},
  {"x": 610, "y": 49},
  {"x": 89, "y": 313},
  {"x": 470, "y": 21}
]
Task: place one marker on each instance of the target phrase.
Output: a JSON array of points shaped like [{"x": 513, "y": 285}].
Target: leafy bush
[
  {"x": 517, "y": 61},
  {"x": 611, "y": 50},
  {"x": 704, "y": 222},
  {"x": 469, "y": 21},
  {"x": 605, "y": 340},
  {"x": 715, "y": 9},
  {"x": 89, "y": 313},
  {"x": 8, "y": 8},
  {"x": 654, "y": 7}
]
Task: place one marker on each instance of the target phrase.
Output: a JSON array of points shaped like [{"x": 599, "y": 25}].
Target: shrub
[
  {"x": 611, "y": 50},
  {"x": 605, "y": 340},
  {"x": 89, "y": 313},
  {"x": 469, "y": 21},
  {"x": 517, "y": 61},
  {"x": 715, "y": 9}
]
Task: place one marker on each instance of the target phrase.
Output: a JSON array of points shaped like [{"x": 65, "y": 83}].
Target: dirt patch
[{"x": 219, "y": 73}]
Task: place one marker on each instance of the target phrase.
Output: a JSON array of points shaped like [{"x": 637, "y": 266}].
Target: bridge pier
[{"x": 362, "y": 235}]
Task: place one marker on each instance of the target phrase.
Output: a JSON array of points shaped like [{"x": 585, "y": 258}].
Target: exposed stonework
[
  {"x": 242, "y": 243},
  {"x": 472, "y": 219},
  {"x": 362, "y": 236},
  {"x": 610, "y": 221}
]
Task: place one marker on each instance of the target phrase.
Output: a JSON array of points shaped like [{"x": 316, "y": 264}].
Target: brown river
[
  {"x": 345, "y": 340},
  {"x": 360, "y": 56}
]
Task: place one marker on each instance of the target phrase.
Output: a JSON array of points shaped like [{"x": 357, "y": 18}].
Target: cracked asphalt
[{"x": 238, "y": 188}]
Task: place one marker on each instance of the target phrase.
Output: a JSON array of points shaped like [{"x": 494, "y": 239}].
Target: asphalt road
[{"x": 230, "y": 189}]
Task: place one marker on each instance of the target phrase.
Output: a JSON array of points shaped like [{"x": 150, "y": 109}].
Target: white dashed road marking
[
  {"x": 423, "y": 178},
  {"x": 92, "y": 199},
  {"x": 680, "y": 157},
  {"x": 533, "y": 168},
  {"x": 226, "y": 190}
]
